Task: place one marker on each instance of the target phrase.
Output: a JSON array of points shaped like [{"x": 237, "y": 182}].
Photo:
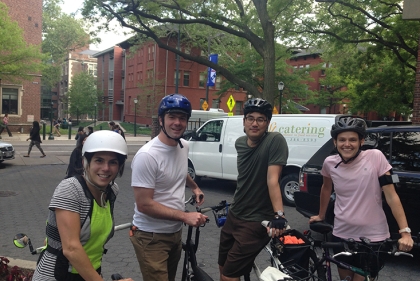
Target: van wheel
[
  {"x": 288, "y": 185},
  {"x": 191, "y": 172}
]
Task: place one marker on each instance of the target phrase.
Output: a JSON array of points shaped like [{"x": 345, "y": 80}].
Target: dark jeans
[{"x": 2, "y": 127}]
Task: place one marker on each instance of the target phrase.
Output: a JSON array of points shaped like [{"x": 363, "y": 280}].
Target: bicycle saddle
[{"x": 321, "y": 227}]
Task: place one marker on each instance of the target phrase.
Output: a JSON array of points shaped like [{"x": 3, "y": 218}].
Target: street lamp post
[
  {"x": 77, "y": 115},
  {"x": 135, "y": 116},
  {"x": 51, "y": 137},
  {"x": 281, "y": 87},
  {"x": 94, "y": 121}
]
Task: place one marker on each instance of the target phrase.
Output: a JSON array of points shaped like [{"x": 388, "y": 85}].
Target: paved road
[{"x": 31, "y": 185}]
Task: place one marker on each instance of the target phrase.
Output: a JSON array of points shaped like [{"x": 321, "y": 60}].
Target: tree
[
  {"x": 18, "y": 60},
  {"x": 246, "y": 25},
  {"x": 83, "y": 94},
  {"x": 380, "y": 50},
  {"x": 62, "y": 33}
]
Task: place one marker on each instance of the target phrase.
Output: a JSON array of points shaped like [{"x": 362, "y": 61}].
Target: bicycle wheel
[{"x": 316, "y": 269}]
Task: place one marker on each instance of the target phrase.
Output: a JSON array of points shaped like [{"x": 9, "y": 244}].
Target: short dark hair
[
  {"x": 80, "y": 129},
  {"x": 112, "y": 123}
]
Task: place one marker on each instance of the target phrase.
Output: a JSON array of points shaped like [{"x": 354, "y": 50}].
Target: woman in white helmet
[{"x": 80, "y": 220}]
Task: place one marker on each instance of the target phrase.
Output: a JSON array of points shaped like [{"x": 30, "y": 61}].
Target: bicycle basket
[{"x": 295, "y": 257}]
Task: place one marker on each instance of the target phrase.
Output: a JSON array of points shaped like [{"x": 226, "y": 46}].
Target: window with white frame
[
  {"x": 9, "y": 100},
  {"x": 202, "y": 82},
  {"x": 186, "y": 81}
]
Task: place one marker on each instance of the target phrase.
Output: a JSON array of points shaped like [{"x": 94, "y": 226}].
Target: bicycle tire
[{"x": 315, "y": 267}]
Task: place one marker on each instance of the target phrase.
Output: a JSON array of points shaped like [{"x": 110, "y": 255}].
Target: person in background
[
  {"x": 111, "y": 125},
  {"x": 117, "y": 129},
  {"x": 90, "y": 130},
  {"x": 35, "y": 139},
  {"x": 80, "y": 132},
  {"x": 75, "y": 166},
  {"x": 80, "y": 219},
  {"x": 5, "y": 125},
  {"x": 56, "y": 126},
  {"x": 158, "y": 179}
]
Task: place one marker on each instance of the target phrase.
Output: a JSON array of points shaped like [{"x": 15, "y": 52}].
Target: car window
[
  {"x": 211, "y": 131},
  {"x": 406, "y": 151}
]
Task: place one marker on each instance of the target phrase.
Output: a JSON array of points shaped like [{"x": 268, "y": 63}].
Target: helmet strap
[
  {"x": 350, "y": 160},
  {"x": 162, "y": 127}
]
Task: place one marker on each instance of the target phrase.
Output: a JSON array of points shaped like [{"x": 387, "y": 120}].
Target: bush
[{"x": 15, "y": 273}]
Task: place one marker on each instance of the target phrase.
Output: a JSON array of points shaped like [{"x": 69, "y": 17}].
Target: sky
[{"x": 108, "y": 39}]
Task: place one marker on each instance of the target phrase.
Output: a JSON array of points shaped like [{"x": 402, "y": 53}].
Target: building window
[
  {"x": 218, "y": 80},
  {"x": 186, "y": 78},
  {"x": 324, "y": 66},
  {"x": 9, "y": 101},
  {"x": 202, "y": 82},
  {"x": 179, "y": 77},
  {"x": 93, "y": 69},
  {"x": 238, "y": 108}
]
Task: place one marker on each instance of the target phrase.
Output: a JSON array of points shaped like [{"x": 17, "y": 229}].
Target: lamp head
[{"x": 281, "y": 86}]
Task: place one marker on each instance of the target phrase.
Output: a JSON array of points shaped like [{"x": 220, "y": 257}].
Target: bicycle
[
  {"x": 277, "y": 271},
  {"x": 22, "y": 240},
  {"x": 372, "y": 250}
]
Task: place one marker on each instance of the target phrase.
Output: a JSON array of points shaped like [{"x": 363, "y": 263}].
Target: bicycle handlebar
[
  {"x": 352, "y": 246},
  {"x": 220, "y": 217}
]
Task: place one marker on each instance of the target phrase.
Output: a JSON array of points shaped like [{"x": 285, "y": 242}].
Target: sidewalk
[{"x": 142, "y": 139}]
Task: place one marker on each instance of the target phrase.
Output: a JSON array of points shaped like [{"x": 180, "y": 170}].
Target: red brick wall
[{"x": 28, "y": 14}]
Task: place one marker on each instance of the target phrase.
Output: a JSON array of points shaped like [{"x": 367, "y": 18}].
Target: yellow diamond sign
[
  {"x": 205, "y": 105},
  {"x": 231, "y": 103}
]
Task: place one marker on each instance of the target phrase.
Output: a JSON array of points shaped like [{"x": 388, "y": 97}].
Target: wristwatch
[
  {"x": 405, "y": 229},
  {"x": 279, "y": 213}
]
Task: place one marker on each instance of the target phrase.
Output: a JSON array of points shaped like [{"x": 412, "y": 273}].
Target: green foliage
[
  {"x": 18, "y": 60},
  {"x": 373, "y": 50},
  {"x": 83, "y": 95},
  {"x": 250, "y": 29}
]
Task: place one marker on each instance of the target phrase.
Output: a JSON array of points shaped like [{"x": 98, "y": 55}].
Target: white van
[{"x": 212, "y": 147}]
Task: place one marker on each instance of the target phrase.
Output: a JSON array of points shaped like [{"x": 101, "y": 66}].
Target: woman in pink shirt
[
  {"x": 355, "y": 175},
  {"x": 5, "y": 125}
]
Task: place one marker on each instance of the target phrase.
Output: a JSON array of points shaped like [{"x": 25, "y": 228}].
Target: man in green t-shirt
[{"x": 261, "y": 157}]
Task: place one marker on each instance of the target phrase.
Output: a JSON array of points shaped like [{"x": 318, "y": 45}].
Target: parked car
[
  {"x": 7, "y": 152},
  {"x": 400, "y": 145}
]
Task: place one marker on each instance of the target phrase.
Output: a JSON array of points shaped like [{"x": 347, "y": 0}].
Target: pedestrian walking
[
  {"x": 90, "y": 130},
  {"x": 80, "y": 132},
  {"x": 56, "y": 126},
  {"x": 158, "y": 179},
  {"x": 35, "y": 139},
  {"x": 5, "y": 125}
]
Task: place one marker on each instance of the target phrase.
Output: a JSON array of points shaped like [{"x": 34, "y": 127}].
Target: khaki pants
[{"x": 158, "y": 254}]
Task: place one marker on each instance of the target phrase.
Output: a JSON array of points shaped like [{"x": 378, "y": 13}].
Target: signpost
[{"x": 231, "y": 105}]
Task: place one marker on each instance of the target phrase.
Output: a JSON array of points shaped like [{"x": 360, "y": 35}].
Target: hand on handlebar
[
  {"x": 405, "y": 243},
  {"x": 195, "y": 219},
  {"x": 277, "y": 226}
]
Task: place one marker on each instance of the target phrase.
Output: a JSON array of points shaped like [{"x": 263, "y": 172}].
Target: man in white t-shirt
[
  {"x": 359, "y": 177},
  {"x": 158, "y": 179}
]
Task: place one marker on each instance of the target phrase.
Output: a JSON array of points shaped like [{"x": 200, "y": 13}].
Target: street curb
[{"x": 22, "y": 263}]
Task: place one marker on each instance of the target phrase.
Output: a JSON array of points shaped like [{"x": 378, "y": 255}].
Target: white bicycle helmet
[{"x": 105, "y": 141}]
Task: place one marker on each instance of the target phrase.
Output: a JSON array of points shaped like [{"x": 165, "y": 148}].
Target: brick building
[{"x": 22, "y": 101}]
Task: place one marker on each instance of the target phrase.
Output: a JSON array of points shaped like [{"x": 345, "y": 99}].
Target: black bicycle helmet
[
  {"x": 258, "y": 105},
  {"x": 348, "y": 123}
]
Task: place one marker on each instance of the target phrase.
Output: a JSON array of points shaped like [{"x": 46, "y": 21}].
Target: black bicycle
[
  {"x": 191, "y": 271},
  {"x": 371, "y": 252}
]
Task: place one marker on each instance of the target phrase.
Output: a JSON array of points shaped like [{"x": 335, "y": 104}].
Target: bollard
[
  {"x": 69, "y": 130},
  {"x": 100, "y": 127},
  {"x": 43, "y": 131}
]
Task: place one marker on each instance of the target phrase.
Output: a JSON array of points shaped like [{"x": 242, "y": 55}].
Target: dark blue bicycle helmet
[
  {"x": 175, "y": 103},
  {"x": 348, "y": 123},
  {"x": 258, "y": 105}
]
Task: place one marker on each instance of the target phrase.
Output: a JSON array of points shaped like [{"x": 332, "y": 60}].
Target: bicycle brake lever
[
  {"x": 399, "y": 253},
  {"x": 344, "y": 254}
]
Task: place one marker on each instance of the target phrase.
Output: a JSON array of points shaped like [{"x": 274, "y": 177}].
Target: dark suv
[{"x": 400, "y": 145}]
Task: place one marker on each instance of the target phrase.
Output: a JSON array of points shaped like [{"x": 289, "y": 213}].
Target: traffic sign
[
  {"x": 205, "y": 105},
  {"x": 231, "y": 103},
  {"x": 230, "y": 113}
]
